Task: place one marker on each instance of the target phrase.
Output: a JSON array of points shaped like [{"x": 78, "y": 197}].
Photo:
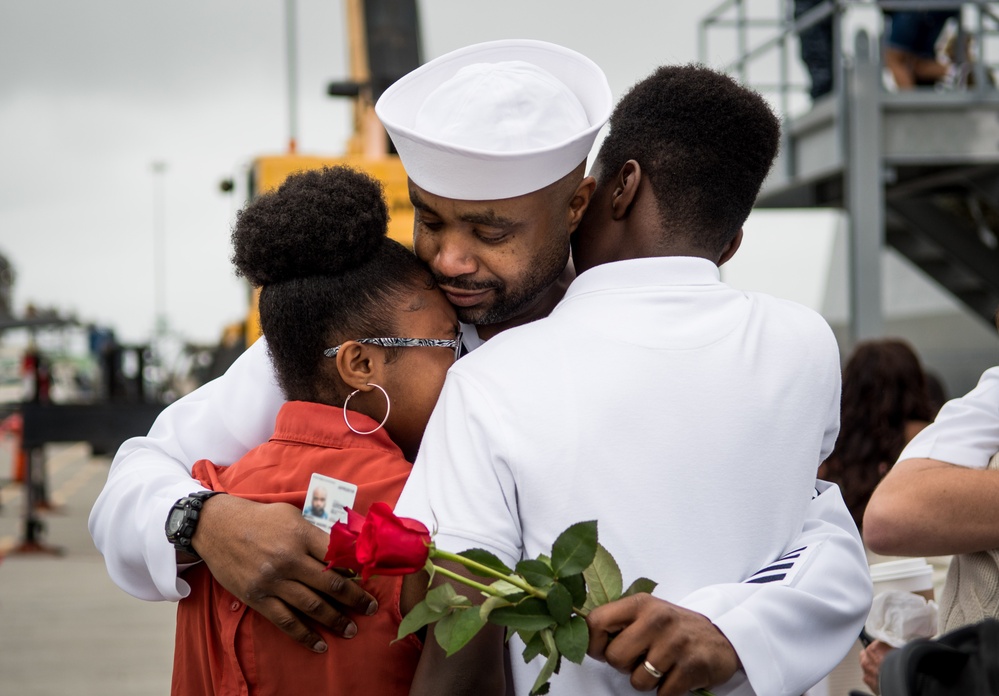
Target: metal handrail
[{"x": 733, "y": 15}]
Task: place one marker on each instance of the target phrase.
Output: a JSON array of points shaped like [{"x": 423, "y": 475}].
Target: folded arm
[{"x": 926, "y": 507}]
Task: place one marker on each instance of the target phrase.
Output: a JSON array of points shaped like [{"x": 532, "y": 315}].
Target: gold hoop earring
[{"x": 388, "y": 409}]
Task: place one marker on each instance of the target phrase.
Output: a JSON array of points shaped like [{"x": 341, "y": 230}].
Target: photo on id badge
[{"x": 326, "y": 499}]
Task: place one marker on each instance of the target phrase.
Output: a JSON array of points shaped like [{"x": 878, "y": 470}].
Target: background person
[
  {"x": 910, "y": 46},
  {"x": 816, "y": 45},
  {"x": 940, "y": 499},
  {"x": 328, "y": 276},
  {"x": 885, "y": 403}
]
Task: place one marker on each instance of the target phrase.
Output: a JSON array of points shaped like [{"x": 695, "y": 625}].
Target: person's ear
[
  {"x": 626, "y": 185},
  {"x": 580, "y": 201},
  {"x": 360, "y": 365},
  {"x": 730, "y": 248}
]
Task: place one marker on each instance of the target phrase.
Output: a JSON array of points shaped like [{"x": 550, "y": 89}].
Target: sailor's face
[{"x": 493, "y": 259}]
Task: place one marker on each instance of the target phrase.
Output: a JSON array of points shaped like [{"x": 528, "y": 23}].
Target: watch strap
[{"x": 189, "y": 509}]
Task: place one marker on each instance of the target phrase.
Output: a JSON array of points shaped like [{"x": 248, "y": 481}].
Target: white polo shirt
[
  {"x": 687, "y": 417},
  {"x": 966, "y": 431}
]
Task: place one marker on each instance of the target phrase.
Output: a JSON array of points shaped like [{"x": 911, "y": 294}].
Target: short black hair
[
  {"x": 705, "y": 142},
  {"x": 327, "y": 272}
]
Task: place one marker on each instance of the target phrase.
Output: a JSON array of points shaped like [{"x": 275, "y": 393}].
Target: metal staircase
[{"x": 916, "y": 170}]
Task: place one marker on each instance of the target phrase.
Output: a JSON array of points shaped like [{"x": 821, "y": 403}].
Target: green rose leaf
[
  {"x": 603, "y": 579},
  {"x": 572, "y": 639},
  {"x": 640, "y": 585},
  {"x": 455, "y": 629},
  {"x": 550, "y": 667},
  {"x": 491, "y": 603},
  {"x": 533, "y": 645},
  {"x": 536, "y": 572},
  {"x": 574, "y": 549},
  {"x": 530, "y": 615},
  {"x": 443, "y": 597},
  {"x": 559, "y": 603},
  {"x": 548, "y": 637},
  {"x": 418, "y": 617},
  {"x": 577, "y": 588},
  {"x": 508, "y": 590},
  {"x": 483, "y": 557}
]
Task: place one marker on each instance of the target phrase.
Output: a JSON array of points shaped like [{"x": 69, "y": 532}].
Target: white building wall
[{"x": 801, "y": 255}]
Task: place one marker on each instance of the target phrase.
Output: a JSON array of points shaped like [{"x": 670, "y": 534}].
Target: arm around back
[{"x": 220, "y": 421}]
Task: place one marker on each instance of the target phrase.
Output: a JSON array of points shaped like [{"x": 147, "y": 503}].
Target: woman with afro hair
[
  {"x": 885, "y": 403},
  {"x": 361, "y": 339}
]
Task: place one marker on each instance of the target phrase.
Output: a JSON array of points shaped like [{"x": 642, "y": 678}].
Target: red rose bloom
[
  {"x": 341, "y": 552},
  {"x": 390, "y": 545}
]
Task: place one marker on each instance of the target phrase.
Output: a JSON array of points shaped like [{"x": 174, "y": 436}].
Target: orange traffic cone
[{"x": 13, "y": 425}]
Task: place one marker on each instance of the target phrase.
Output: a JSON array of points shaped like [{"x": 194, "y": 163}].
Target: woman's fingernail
[
  {"x": 319, "y": 647},
  {"x": 350, "y": 631}
]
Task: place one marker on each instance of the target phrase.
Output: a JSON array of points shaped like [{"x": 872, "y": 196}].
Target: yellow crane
[{"x": 384, "y": 41}]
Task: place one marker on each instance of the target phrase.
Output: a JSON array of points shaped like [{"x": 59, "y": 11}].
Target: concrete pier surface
[{"x": 65, "y": 628}]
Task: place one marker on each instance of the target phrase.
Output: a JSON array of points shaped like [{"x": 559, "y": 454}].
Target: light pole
[
  {"x": 159, "y": 250},
  {"x": 291, "y": 39}
]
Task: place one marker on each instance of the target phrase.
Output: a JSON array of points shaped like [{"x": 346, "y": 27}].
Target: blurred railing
[{"x": 764, "y": 36}]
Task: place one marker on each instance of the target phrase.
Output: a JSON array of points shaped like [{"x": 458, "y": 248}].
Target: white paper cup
[{"x": 907, "y": 575}]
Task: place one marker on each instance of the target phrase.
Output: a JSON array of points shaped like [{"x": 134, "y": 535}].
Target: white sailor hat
[{"x": 497, "y": 119}]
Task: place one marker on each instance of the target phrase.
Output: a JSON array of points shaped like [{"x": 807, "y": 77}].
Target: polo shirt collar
[{"x": 664, "y": 271}]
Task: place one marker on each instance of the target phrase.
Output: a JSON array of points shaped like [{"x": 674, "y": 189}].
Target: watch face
[{"x": 174, "y": 521}]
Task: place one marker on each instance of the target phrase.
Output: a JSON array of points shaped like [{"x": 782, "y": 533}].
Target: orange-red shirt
[{"x": 223, "y": 647}]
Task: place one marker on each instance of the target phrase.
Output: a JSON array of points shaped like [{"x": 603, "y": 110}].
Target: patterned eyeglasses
[{"x": 452, "y": 343}]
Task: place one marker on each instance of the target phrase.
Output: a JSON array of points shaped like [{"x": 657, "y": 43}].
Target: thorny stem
[
  {"x": 514, "y": 580},
  {"x": 467, "y": 581}
]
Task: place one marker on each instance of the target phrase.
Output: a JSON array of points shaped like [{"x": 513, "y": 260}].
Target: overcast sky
[{"x": 92, "y": 93}]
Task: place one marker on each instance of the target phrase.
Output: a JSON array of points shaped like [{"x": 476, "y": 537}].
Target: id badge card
[{"x": 326, "y": 499}]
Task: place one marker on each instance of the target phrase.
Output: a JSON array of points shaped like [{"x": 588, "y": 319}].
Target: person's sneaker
[{"x": 956, "y": 77}]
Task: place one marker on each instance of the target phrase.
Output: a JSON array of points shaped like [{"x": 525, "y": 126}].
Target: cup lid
[{"x": 892, "y": 570}]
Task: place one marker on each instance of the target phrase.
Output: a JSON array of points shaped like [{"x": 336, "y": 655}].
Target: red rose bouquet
[{"x": 544, "y": 600}]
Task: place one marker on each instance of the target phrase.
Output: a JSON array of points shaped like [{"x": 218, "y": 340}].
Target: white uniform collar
[{"x": 657, "y": 270}]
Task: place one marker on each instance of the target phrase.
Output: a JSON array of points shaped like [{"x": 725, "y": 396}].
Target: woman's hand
[
  {"x": 268, "y": 556},
  {"x": 870, "y": 662}
]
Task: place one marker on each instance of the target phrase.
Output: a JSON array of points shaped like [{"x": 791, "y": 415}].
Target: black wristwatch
[{"x": 183, "y": 520}]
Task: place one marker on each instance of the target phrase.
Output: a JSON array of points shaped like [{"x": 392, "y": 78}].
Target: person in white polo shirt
[
  {"x": 687, "y": 417},
  {"x": 494, "y": 227},
  {"x": 940, "y": 499}
]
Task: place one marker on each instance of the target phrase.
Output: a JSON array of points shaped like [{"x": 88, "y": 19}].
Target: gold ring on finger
[{"x": 652, "y": 670}]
